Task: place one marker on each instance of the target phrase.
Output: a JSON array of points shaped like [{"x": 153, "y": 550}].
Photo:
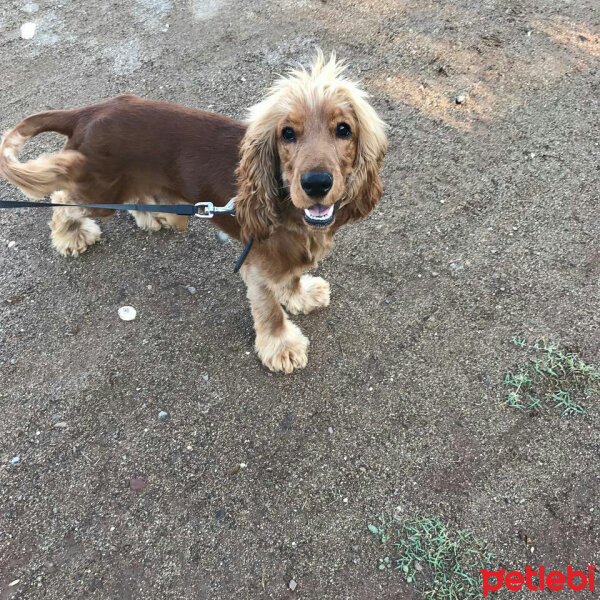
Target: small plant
[
  {"x": 442, "y": 565},
  {"x": 558, "y": 380}
]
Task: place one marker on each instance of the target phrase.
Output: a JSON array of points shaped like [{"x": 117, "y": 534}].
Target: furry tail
[{"x": 39, "y": 177}]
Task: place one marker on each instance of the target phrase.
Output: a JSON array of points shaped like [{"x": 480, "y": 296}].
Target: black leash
[
  {"x": 203, "y": 210},
  {"x": 174, "y": 209},
  {"x": 245, "y": 252}
]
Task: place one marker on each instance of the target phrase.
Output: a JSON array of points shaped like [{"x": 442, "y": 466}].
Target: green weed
[
  {"x": 443, "y": 565},
  {"x": 551, "y": 378}
]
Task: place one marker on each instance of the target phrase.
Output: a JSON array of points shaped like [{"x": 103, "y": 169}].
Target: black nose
[{"x": 316, "y": 183}]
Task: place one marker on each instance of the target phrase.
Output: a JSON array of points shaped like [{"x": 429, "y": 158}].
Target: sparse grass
[
  {"x": 551, "y": 379},
  {"x": 443, "y": 565}
]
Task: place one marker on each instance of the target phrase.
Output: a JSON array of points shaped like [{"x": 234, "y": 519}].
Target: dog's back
[{"x": 153, "y": 143}]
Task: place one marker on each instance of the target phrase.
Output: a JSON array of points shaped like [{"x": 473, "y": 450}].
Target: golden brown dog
[{"x": 305, "y": 163}]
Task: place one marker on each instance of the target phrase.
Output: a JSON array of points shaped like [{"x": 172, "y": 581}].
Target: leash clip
[{"x": 210, "y": 210}]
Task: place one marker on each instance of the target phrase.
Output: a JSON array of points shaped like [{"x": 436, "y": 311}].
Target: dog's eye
[
  {"x": 288, "y": 134},
  {"x": 343, "y": 131}
]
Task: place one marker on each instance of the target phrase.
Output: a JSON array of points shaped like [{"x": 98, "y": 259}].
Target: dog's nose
[{"x": 316, "y": 183}]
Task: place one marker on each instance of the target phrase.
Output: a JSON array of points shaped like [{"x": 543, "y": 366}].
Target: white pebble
[
  {"x": 13, "y": 583},
  {"x": 222, "y": 236},
  {"x": 292, "y": 585},
  {"x": 12, "y": 244},
  {"x": 330, "y": 430},
  {"x": 15, "y": 460},
  {"x": 127, "y": 313},
  {"x": 28, "y": 30},
  {"x": 191, "y": 289}
]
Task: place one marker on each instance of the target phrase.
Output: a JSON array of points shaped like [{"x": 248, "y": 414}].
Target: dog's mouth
[{"x": 319, "y": 216}]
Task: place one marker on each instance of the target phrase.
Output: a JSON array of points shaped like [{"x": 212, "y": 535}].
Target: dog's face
[
  {"x": 314, "y": 142},
  {"x": 317, "y": 149}
]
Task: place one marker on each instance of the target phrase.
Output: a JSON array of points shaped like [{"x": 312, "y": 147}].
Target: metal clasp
[{"x": 210, "y": 210}]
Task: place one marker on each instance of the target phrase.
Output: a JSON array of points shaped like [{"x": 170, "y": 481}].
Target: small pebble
[
  {"x": 292, "y": 585},
  {"x": 460, "y": 98},
  {"x": 136, "y": 484},
  {"x": 12, "y": 244},
  {"x": 330, "y": 430},
  {"x": 28, "y": 30},
  {"x": 163, "y": 415},
  {"x": 222, "y": 237},
  {"x": 13, "y": 583},
  {"x": 191, "y": 289},
  {"x": 60, "y": 424},
  {"x": 205, "y": 377},
  {"x": 15, "y": 460},
  {"x": 127, "y": 313}
]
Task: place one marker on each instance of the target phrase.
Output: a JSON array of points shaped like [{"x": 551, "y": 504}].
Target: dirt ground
[{"x": 488, "y": 228}]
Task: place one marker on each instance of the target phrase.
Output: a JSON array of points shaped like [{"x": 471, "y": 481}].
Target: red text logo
[{"x": 538, "y": 580}]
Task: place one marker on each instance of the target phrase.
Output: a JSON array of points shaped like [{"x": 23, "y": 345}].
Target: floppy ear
[
  {"x": 364, "y": 187},
  {"x": 255, "y": 204}
]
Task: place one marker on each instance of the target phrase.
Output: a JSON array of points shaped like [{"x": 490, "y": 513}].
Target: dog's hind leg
[
  {"x": 72, "y": 231},
  {"x": 152, "y": 221}
]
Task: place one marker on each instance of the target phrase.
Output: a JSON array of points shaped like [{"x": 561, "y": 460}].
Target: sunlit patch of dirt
[
  {"x": 438, "y": 101},
  {"x": 571, "y": 34}
]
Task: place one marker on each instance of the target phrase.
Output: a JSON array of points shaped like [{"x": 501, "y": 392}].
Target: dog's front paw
[
  {"x": 313, "y": 293},
  {"x": 285, "y": 352}
]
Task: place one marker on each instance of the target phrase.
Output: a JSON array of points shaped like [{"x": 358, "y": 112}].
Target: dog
[{"x": 305, "y": 163}]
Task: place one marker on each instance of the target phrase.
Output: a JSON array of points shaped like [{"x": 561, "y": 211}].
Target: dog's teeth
[{"x": 320, "y": 217}]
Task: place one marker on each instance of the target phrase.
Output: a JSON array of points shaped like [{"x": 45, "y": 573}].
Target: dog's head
[{"x": 316, "y": 140}]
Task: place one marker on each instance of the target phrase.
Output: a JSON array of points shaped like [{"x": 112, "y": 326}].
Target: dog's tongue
[{"x": 318, "y": 210}]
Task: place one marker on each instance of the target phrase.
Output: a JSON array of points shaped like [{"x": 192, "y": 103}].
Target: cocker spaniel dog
[{"x": 305, "y": 163}]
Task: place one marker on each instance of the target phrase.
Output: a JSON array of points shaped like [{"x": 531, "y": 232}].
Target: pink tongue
[{"x": 318, "y": 210}]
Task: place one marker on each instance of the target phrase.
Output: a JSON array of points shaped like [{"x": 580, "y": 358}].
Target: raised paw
[
  {"x": 285, "y": 352},
  {"x": 312, "y": 293}
]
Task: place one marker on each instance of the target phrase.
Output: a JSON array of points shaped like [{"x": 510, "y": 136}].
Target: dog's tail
[{"x": 46, "y": 174}]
